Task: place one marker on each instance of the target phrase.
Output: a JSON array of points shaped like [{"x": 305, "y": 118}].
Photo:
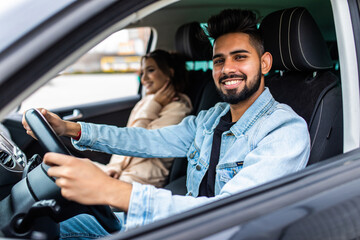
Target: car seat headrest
[
  {"x": 295, "y": 41},
  {"x": 190, "y": 41}
]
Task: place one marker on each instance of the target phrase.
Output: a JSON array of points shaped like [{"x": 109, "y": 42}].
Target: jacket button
[
  {"x": 190, "y": 194},
  {"x": 192, "y": 154},
  {"x": 230, "y": 134},
  {"x": 198, "y": 167}
]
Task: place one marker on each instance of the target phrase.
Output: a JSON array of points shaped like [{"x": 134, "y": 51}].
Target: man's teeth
[{"x": 231, "y": 82}]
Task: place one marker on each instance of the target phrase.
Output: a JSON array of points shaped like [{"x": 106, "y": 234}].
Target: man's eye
[
  {"x": 239, "y": 57},
  {"x": 217, "y": 61}
]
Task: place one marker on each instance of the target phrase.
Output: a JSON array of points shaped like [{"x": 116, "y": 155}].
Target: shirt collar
[{"x": 251, "y": 115}]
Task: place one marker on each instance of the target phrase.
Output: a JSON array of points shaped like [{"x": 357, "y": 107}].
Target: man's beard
[{"x": 232, "y": 97}]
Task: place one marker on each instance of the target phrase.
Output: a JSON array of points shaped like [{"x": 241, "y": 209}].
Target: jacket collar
[{"x": 261, "y": 105}]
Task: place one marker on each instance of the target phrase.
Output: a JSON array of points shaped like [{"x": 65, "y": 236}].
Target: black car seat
[
  {"x": 305, "y": 80},
  {"x": 190, "y": 41}
]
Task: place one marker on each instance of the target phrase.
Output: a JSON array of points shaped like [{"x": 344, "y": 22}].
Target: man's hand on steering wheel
[
  {"x": 82, "y": 181},
  {"x": 61, "y": 127},
  {"x": 76, "y": 177}
]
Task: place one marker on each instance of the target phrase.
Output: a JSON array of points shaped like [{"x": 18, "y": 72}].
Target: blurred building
[{"x": 120, "y": 52}]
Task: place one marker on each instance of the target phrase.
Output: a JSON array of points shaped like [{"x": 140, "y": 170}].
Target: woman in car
[{"x": 164, "y": 76}]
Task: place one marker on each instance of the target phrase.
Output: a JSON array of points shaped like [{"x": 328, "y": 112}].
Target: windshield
[{"x": 25, "y": 15}]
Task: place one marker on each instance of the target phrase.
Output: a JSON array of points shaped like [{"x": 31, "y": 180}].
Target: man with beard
[{"x": 241, "y": 143}]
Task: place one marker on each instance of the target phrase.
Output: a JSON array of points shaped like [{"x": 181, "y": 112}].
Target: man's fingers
[
  {"x": 25, "y": 124},
  {"x": 52, "y": 159},
  {"x": 31, "y": 134},
  {"x": 57, "y": 172},
  {"x": 43, "y": 111}
]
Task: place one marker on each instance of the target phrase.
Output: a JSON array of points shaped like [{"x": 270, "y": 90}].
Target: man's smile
[{"x": 232, "y": 83}]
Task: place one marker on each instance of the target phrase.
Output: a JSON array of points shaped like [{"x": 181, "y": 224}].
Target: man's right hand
[
  {"x": 61, "y": 127},
  {"x": 82, "y": 181}
]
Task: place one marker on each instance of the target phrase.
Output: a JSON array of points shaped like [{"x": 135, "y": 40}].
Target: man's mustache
[{"x": 225, "y": 76}]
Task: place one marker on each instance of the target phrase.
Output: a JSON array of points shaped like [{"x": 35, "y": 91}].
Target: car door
[
  {"x": 101, "y": 87},
  {"x": 107, "y": 110}
]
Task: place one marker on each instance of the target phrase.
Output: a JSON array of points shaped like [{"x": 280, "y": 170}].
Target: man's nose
[{"x": 229, "y": 67}]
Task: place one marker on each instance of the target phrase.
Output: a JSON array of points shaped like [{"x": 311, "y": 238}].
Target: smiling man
[
  {"x": 238, "y": 71},
  {"x": 247, "y": 140}
]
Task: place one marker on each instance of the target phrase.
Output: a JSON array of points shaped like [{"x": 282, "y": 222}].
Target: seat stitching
[
  {"x": 281, "y": 55},
  {"x": 318, "y": 125},
  {"x": 301, "y": 49},
  {"x": 291, "y": 59}
]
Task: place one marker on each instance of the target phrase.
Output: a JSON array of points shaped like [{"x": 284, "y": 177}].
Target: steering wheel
[{"x": 49, "y": 140}]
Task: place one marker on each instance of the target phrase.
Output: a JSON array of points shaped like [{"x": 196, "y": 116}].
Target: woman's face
[{"x": 152, "y": 78}]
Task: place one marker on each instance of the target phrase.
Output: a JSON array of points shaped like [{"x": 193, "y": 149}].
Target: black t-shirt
[{"x": 207, "y": 185}]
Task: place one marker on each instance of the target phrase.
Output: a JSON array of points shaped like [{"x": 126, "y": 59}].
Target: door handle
[{"x": 74, "y": 116}]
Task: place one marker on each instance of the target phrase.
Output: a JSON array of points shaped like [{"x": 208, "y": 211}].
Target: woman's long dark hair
[{"x": 167, "y": 61}]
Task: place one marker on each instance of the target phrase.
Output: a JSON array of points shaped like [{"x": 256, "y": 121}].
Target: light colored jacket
[
  {"x": 149, "y": 114},
  {"x": 269, "y": 141}
]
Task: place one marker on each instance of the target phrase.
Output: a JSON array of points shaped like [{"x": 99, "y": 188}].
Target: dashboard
[{"x": 13, "y": 162}]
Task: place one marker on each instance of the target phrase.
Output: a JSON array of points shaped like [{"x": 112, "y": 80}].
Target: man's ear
[{"x": 266, "y": 62}]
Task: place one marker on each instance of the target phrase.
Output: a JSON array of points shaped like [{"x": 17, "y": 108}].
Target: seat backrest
[
  {"x": 305, "y": 80},
  {"x": 190, "y": 41}
]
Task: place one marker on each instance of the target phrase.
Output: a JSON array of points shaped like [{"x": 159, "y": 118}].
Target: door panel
[{"x": 113, "y": 112}]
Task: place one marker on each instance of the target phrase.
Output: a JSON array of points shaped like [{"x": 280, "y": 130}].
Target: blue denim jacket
[{"x": 269, "y": 141}]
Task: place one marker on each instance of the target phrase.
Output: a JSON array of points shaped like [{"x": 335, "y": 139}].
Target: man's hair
[{"x": 236, "y": 21}]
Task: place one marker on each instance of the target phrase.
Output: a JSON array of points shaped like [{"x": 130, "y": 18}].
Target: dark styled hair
[
  {"x": 167, "y": 61},
  {"x": 236, "y": 21}
]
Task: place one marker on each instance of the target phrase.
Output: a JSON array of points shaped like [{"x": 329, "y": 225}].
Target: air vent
[{"x": 6, "y": 160}]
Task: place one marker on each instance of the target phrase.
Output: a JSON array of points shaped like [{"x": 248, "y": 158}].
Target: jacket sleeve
[
  {"x": 150, "y": 115},
  {"x": 171, "y": 141}
]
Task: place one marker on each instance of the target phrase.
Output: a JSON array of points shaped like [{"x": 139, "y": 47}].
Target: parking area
[{"x": 75, "y": 89}]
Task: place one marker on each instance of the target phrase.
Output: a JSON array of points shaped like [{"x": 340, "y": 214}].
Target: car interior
[{"x": 304, "y": 75}]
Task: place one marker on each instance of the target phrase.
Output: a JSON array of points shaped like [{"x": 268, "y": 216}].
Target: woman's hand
[
  {"x": 112, "y": 173},
  {"x": 61, "y": 127},
  {"x": 166, "y": 94},
  {"x": 82, "y": 181}
]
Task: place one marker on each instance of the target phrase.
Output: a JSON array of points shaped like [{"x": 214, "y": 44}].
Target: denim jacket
[{"x": 269, "y": 141}]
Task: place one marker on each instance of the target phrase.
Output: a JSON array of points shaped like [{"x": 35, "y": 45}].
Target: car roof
[{"x": 185, "y": 11}]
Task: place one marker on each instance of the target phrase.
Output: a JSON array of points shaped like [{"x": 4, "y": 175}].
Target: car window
[{"x": 107, "y": 71}]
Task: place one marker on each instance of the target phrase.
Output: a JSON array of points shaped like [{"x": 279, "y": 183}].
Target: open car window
[{"x": 108, "y": 71}]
